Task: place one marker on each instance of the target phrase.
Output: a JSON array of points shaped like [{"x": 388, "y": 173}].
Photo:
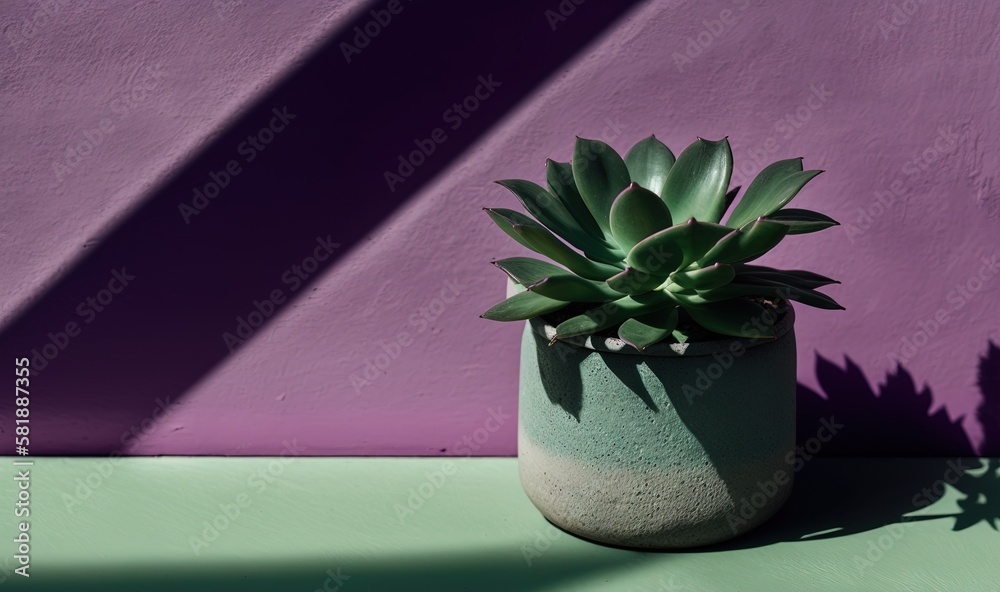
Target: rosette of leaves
[{"x": 638, "y": 246}]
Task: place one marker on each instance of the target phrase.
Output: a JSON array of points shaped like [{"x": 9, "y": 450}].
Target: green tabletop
[{"x": 355, "y": 524}]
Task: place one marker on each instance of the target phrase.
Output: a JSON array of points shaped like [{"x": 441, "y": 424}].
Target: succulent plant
[{"x": 640, "y": 246}]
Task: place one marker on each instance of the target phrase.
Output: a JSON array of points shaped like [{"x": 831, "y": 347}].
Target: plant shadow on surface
[
  {"x": 844, "y": 496},
  {"x": 849, "y": 493}
]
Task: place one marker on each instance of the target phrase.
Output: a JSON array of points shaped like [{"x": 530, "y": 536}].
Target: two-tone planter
[{"x": 668, "y": 448}]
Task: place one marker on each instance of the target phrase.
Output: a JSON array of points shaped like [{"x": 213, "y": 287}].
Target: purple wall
[{"x": 898, "y": 102}]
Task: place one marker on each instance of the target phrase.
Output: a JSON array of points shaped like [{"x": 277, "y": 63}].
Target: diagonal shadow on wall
[{"x": 327, "y": 134}]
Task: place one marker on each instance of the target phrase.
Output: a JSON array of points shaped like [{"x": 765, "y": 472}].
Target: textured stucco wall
[{"x": 897, "y": 101}]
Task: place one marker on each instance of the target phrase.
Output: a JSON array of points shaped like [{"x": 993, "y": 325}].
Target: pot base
[{"x": 658, "y": 508}]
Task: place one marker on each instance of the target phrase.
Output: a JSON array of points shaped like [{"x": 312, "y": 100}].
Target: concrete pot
[{"x": 670, "y": 448}]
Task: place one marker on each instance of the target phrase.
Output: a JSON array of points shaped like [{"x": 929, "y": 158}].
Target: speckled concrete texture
[{"x": 659, "y": 451}]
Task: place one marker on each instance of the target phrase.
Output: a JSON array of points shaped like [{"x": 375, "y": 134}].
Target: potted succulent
[{"x": 657, "y": 383}]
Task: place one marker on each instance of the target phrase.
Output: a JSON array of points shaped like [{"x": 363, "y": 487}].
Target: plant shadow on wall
[
  {"x": 850, "y": 494},
  {"x": 241, "y": 231}
]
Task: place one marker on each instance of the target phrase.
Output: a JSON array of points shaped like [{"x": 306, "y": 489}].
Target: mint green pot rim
[{"x": 784, "y": 324}]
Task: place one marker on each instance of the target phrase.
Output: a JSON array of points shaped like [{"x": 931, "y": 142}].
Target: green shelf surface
[{"x": 356, "y": 524}]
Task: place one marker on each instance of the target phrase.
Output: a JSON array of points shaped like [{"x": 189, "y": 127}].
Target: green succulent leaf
[
  {"x": 552, "y": 213},
  {"x": 600, "y": 175},
  {"x": 793, "y": 277},
  {"x": 814, "y": 299},
  {"x": 506, "y": 219},
  {"x": 696, "y": 184},
  {"x": 635, "y": 281},
  {"x": 686, "y": 297},
  {"x": 526, "y": 270},
  {"x": 572, "y": 288},
  {"x": 705, "y": 278},
  {"x": 735, "y": 318},
  {"x": 744, "y": 244},
  {"x": 648, "y": 163},
  {"x": 756, "y": 198},
  {"x": 773, "y": 187},
  {"x": 559, "y": 178},
  {"x": 533, "y": 235},
  {"x": 653, "y": 251},
  {"x": 642, "y": 332},
  {"x": 802, "y": 221},
  {"x": 770, "y": 289},
  {"x": 636, "y": 214},
  {"x": 676, "y": 247},
  {"x": 554, "y": 249},
  {"x": 611, "y": 314},
  {"x": 523, "y": 306}
]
